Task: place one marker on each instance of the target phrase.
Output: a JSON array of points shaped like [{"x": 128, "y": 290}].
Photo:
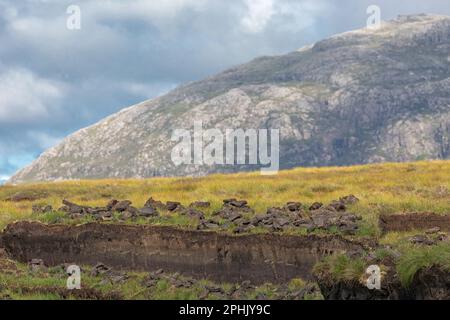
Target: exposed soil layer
[
  {"x": 431, "y": 284},
  {"x": 391, "y": 289},
  {"x": 428, "y": 284},
  {"x": 414, "y": 221},
  {"x": 219, "y": 257}
]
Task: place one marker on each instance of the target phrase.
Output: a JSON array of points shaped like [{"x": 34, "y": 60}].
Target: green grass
[
  {"x": 20, "y": 283},
  {"x": 382, "y": 188},
  {"x": 411, "y": 260},
  {"x": 341, "y": 268},
  {"x": 415, "y": 259}
]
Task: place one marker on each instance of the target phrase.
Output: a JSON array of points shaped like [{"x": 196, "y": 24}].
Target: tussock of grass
[
  {"x": 416, "y": 259},
  {"x": 340, "y": 268}
]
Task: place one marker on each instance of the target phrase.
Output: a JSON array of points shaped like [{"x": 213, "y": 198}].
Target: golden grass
[{"x": 382, "y": 188}]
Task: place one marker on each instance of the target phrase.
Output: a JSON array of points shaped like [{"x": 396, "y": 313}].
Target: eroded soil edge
[{"x": 220, "y": 257}]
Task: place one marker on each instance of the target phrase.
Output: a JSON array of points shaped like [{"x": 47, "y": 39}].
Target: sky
[{"x": 56, "y": 79}]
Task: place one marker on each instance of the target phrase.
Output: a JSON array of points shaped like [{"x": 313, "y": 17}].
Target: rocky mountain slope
[{"x": 358, "y": 97}]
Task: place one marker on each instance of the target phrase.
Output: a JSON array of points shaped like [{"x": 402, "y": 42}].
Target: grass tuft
[{"x": 419, "y": 258}]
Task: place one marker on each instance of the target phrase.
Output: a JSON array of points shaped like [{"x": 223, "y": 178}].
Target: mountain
[{"x": 358, "y": 97}]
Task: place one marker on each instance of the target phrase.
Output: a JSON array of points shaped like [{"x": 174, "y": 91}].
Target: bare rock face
[{"x": 359, "y": 97}]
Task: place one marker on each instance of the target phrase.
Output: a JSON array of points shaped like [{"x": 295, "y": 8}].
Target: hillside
[{"x": 359, "y": 97}]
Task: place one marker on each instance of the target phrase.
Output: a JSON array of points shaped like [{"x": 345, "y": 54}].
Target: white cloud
[
  {"x": 3, "y": 179},
  {"x": 298, "y": 15},
  {"x": 258, "y": 15},
  {"x": 44, "y": 140},
  {"x": 25, "y": 97},
  {"x": 147, "y": 89},
  {"x": 282, "y": 15}
]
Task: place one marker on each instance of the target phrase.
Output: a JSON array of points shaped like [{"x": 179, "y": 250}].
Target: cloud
[
  {"x": 283, "y": 16},
  {"x": 259, "y": 14},
  {"x": 25, "y": 97}
]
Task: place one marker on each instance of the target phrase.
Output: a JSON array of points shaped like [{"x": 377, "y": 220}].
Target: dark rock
[
  {"x": 276, "y": 228},
  {"x": 232, "y": 206},
  {"x": 72, "y": 208},
  {"x": 348, "y": 227},
  {"x": 282, "y": 222},
  {"x": 431, "y": 283},
  {"x": 122, "y": 206},
  {"x": 422, "y": 240},
  {"x": 315, "y": 206},
  {"x": 129, "y": 214},
  {"x": 247, "y": 285},
  {"x": 133, "y": 211},
  {"x": 442, "y": 236},
  {"x": 215, "y": 289},
  {"x": 268, "y": 220},
  {"x": 203, "y": 295},
  {"x": 243, "y": 228},
  {"x": 294, "y": 206},
  {"x": 111, "y": 204},
  {"x": 159, "y": 272},
  {"x": 118, "y": 277},
  {"x": 37, "y": 265},
  {"x": 321, "y": 220},
  {"x": 208, "y": 225},
  {"x": 181, "y": 283},
  {"x": 172, "y": 206},
  {"x": 193, "y": 213},
  {"x": 235, "y": 203},
  {"x": 275, "y": 211},
  {"x": 36, "y": 209},
  {"x": 234, "y": 216},
  {"x": 338, "y": 205},
  {"x": 97, "y": 211},
  {"x": 349, "y": 200},
  {"x": 204, "y": 226},
  {"x": 152, "y": 279},
  {"x": 200, "y": 204},
  {"x": 433, "y": 230},
  {"x": 302, "y": 222},
  {"x": 100, "y": 269},
  {"x": 261, "y": 296},
  {"x": 148, "y": 212},
  {"x": 106, "y": 216},
  {"x": 151, "y": 203},
  {"x": 257, "y": 220}
]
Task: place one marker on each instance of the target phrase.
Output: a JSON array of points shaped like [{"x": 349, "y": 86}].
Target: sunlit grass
[
  {"x": 382, "y": 188},
  {"x": 416, "y": 259}
]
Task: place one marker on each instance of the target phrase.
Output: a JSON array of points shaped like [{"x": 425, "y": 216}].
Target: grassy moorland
[{"x": 382, "y": 188}]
